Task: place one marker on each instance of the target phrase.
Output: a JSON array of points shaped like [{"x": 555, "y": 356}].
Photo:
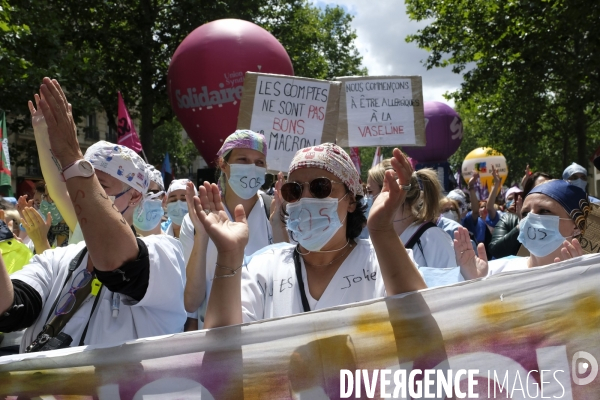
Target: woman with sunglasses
[
  {"x": 329, "y": 266},
  {"x": 242, "y": 161}
]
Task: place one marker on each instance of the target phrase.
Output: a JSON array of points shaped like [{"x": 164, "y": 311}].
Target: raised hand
[
  {"x": 22, "y": 203},
  {"x": 37, "y": 117},
  {"x": 62, "y": 131},
  {"x": 189, "y": 198},
  {"x": 278, "y": 201},
  {"x": 473, "y": 180},
  {"x": 496, "y": 177},
  {"x": 228, "y": 236},
  {"x": 37, "y": 229},
  {"x": 471, "y": 265},
  {"x": 392, "y": 194},
  {"x": 569, "y": 250}
]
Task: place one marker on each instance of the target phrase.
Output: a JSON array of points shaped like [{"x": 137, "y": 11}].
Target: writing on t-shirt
[
  {"x": 281, "y": 284},
  {"x": 367, "y": 276}
]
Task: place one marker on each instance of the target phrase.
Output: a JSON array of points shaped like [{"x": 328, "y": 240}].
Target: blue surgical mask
[
  {"x": 509, "y": 203},
  {"x": 540, "y": 234},
  {"x": 451, "y": 214},
  {"x": 47, "y": 207},
  {"x": 148, "y": 216},
  {"x": 246, "y": 179},
  {"x": 176, "y": 211},
  {"x": 369, "y": 199},
  {"x": 313, "y": 222},
  {"x": 580, "y": 183}
]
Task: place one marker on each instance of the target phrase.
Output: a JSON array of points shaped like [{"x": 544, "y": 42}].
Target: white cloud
[{"x": 382, "y": 27}]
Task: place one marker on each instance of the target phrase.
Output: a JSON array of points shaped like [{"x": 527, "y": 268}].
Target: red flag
[
  {"x": 355, "y": 156},
  {"x": 127, "y": 136}
]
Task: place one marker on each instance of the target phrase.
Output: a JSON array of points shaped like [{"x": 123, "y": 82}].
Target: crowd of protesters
[{"x": 88, "y": 261}]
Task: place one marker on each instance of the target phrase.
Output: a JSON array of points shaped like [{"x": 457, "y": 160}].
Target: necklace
[
  {"x": 323, "y": 251},
  {"x": 332, "y": 261}
]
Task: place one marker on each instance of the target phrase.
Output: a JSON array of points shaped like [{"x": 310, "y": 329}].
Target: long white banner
[{"x": 519, "y": 335}]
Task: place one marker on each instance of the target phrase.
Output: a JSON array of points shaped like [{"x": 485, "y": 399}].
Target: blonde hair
[
  {"x": 453, "y": 203},
  {"x": 424, "y": 195},
  {"x": 12, "y": 215},
  {"x": 377, "y": 173}
]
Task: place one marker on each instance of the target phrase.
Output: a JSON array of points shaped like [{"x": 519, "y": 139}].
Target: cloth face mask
[
  {"x": 450, "y": 214},
  {"x": 47, "y": 207},
  {"x": 176, "y": 211},
  {"x": 540, "y": 234},
  {"x": 313, "y": 221},
  {"x": 148, "y": 215},
  {"x": 580, "y": 183},
  {"x": 246, "y": 179}
]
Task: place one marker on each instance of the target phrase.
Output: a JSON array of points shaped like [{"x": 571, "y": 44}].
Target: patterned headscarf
[
  {"x": 243, "y": 139},
  {"x": 572, "y": 198},
  {"x": 240, "y": 139},
  {"x": 119, "y": 162},
  {"x": 332, "y": 158},
  {"x": 156, "y": 177}
]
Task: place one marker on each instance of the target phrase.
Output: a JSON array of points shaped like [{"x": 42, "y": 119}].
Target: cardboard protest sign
[
  {"x": 590, "y": 242},
  {"x": 291, "y": 112},
  {"x": 381, "y": 111}
]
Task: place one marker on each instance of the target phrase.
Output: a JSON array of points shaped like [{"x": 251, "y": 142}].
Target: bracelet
[{"x": 233, "y": 271}]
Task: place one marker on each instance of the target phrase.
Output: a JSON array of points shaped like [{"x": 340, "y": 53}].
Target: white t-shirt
[
  {"x": 437, "y": 246},
  {"x": 270, "y": 288},
  {"x": 507, "y": 264},
  {"x": 260, "y": 235},
  {"x": 160, "y": 312}
]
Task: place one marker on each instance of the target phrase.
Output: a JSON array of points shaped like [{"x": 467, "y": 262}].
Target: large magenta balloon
[
  {"x": 443, "y": 132},
  {"x": 206, "y": 77}
]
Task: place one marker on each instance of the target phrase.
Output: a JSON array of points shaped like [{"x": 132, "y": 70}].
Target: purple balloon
[{"x": 443, "y": 132}]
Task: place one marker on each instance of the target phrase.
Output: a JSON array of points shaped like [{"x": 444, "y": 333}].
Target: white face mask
[
  {"x": 451, "y": 214},
  {"x": 246, "y": 179}
]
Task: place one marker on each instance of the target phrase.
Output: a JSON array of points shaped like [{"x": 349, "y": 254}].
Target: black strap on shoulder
[
  {"x": 90, "y": 318},
  {"x": 300, "y": 281},
  {"x": 267, "y": 202},
  {"x": 417, "y": 235},
  {"x": 73, "y": 265}
]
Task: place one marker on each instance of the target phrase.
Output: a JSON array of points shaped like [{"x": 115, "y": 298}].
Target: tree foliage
[
  {"x": 531, "y": 80},
  {"x": 96, "y": 48}
]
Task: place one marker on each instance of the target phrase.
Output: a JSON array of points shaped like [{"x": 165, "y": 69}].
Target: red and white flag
[
  {"x": 126, "y": 134},
  {"x": 378, "y": 157}
]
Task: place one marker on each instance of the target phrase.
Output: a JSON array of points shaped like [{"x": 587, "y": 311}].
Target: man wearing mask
[
  {"x": 176, "y": 205},
  {"x": 576, "y": 175},
  {"x": 138, "y": 280}
]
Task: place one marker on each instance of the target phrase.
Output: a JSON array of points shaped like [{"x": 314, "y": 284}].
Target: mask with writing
[
  {"x": 313, "y": 222},
  {"x": 540, "y": 234},
  {"x": 176, "y": 211},
  {"x": 148, "y": 214},
  {"x": 246, "y": 179}
]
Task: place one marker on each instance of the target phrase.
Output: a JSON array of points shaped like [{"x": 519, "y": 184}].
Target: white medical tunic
[
  {"x": 160, "y": 312},
  {"x": 270, "y": 288},
  {"x": 438, "y": 248},
  {"x": 260, "y": 235}
]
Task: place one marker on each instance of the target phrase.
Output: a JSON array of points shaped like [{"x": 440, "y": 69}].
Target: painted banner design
[{"x": 529, "y": 334}]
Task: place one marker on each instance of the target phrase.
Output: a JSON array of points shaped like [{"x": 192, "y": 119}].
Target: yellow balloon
[{"x": 481, "y": 160}]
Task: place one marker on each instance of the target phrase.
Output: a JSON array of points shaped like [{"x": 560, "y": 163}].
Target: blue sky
[{"x": 382, "y": 26}]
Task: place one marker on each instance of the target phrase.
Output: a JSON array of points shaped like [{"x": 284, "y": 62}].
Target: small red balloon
[{"x": 206, "y": 77}]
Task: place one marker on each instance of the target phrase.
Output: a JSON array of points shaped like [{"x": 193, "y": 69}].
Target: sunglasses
[
  {"x": 320, "y": 188},
  {"x": 67, "y": 301}
]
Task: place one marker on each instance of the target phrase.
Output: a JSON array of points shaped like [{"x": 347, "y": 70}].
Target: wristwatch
[{"x": 79, "y": 168}]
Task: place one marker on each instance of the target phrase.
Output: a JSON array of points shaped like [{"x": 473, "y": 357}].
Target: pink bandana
[{"x": 332, "y": 158}]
